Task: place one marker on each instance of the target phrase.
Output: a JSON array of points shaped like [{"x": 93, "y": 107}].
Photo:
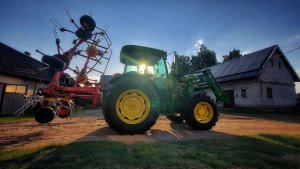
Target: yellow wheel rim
[
  {"x": 203, "y": 112},
  {"x": 133, "y": 106}
]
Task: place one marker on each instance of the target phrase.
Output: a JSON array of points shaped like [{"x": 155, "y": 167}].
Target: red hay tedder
[{"x": 57, "y": 99}]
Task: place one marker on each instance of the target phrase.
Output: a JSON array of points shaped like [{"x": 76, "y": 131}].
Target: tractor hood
[{"x": 135, "y": 55}]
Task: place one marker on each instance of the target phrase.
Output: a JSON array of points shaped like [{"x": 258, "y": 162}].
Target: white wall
[{"x": 297, "y": 87}]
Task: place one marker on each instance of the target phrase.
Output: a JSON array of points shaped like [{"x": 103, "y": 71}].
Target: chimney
[{"x": 27, "y": 53}]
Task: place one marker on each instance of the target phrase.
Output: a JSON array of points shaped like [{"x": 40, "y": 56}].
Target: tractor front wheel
[
  {"x": 131, "y": 107},
  {"x": 201, "y": 113}
]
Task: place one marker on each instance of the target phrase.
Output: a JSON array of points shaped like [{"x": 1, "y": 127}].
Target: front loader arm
[{"x": 198, "y": 80}]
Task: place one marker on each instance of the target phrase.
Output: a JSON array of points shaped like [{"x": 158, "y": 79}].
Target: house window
[
  {"x": 269, "y": 93},
  {"x": 15, "y": 89},
  {"x": 279, "y": 64},
  {"x": 243, "y": 93}
]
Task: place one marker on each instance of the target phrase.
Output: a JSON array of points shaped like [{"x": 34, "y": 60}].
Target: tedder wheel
[
  {"x": 176, "y": 118},
  {"x": 201, "y": 113},
  {"x": 63, "y": 58},
  {"x": 83, "y": 34},
  {"x": 132, "y": 107},
  {"x": 64, "y": 112},
  {"x": 44, "y": 115},
  {"x": 54, "y": 63},
  {"x": 87, "y": 23}
]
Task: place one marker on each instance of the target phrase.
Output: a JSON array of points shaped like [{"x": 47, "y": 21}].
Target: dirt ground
[{"x": 90, "y": 125}]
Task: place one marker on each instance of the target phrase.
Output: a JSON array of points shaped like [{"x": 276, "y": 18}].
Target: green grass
[
  {"x": 260, "y": 151},
  {"x": 11, "y": 119}
]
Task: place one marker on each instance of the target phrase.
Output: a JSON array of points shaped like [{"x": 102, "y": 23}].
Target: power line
[{"x": 292, "y": 50}]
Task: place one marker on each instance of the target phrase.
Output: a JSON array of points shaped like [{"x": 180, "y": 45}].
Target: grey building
[
  {"x": 262, "y": 80},
  {"x": 19, "y": 75},
  {"x": 22, "y": 74}
]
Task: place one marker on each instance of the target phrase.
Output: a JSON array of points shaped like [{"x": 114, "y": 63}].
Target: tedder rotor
[{"x": 59, "y": 96}]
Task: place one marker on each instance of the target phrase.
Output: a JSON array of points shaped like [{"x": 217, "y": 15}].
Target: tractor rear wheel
[
  {"x": 132, "y": 107},
  {"x": 201, "y": 113},
  {"x": 176, "y": 118}
]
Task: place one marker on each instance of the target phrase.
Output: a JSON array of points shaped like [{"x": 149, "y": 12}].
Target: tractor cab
[{"x": 144, "y": 60}]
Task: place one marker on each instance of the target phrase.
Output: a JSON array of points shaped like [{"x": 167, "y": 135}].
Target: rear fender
[{"x": 123, "y": 77}]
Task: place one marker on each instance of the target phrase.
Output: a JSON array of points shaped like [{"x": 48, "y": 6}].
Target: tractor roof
[{"x": 135, "y": 55}]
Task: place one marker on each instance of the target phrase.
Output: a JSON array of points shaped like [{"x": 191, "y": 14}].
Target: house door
[
  {"x": 13, "y": 100},
  {"x": 1, "y": 95},
  {"x": 230, "y": 94}
]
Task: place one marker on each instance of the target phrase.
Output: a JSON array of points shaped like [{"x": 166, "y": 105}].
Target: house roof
[
  {"x": 16, "y": 63},
  {"x": 247, "y": 66}
]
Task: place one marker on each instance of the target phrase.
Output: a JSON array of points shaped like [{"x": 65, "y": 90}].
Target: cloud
[
  {"x": 195, "y": 49},
  {"x": 296, "y": 36},
  {"x": 198, "y": 45},
  {"x": 246, "y": 52}
]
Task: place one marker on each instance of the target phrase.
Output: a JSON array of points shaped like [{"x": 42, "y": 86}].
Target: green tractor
[{"x": 145, "y": 90}]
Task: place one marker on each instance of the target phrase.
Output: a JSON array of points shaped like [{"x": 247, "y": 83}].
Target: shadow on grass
[
  {"x": 293, "y": 118},
  {"x": 261, "y": 151}
]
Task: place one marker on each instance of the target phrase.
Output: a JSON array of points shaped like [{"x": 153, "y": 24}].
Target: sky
[{"x": 171, "y": 25}]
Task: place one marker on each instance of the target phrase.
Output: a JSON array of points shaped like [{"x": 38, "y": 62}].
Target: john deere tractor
[{"x": 145, "y": 90}]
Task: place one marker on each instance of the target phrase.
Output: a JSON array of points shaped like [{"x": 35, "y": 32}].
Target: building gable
[{"x": 278, "y": 70}]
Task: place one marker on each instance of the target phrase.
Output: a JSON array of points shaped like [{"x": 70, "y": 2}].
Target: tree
[
  {"x": 235, "y": 53},
  {"x": 205, "y": 58},
  {"x": 182, "y": 65}
]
